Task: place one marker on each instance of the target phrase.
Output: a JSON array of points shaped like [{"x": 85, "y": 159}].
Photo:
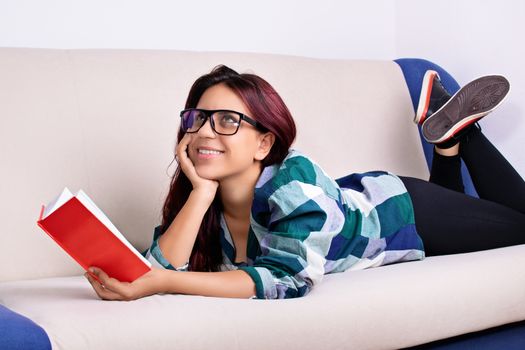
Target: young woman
[{"x": 248, "y": 217}]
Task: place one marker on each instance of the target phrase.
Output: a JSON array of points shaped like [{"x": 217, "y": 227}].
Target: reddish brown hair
[{"x": 265, "y": 106}]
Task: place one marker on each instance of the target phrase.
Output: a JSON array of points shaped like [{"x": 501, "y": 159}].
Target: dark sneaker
[
  {"x": 433, "y": 96},
  {"x": 471, "y": 103}
]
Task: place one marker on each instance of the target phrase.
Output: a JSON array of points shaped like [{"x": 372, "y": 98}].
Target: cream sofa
[{"x": 105, "y": 121}]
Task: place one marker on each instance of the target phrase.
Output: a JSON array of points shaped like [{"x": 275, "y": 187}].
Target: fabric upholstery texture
[{"x": 387, "y": 307}]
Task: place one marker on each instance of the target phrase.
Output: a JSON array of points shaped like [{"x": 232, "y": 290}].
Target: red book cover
[{"x": 89, "y": 237}]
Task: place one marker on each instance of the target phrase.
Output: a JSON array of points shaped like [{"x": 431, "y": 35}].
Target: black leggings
[{"x": 450, "y": 221}]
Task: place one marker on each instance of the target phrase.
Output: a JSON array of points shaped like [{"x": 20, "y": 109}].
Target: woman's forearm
[
  {"x": 177, "y": 242},
  {"x": 227, "y": 284}
]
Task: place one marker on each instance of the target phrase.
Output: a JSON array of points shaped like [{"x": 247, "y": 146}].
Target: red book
[{"x": 89, "y": 237}]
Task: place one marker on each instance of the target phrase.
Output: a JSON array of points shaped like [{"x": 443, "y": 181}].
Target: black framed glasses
[{"x": 223, "y": 121}]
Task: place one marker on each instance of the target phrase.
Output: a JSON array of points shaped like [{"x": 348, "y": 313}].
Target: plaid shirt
[{"x": 304, "y": 224}]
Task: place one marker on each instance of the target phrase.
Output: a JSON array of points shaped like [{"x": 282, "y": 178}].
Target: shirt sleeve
[
  {"x": 300, "y": 219},
  {"x": 155, "y": 256}
]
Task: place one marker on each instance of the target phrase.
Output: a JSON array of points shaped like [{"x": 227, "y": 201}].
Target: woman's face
[{"x": 239, "y": 152}]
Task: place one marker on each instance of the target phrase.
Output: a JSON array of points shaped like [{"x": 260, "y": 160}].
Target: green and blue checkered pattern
[{"x": 305, "y": 224}]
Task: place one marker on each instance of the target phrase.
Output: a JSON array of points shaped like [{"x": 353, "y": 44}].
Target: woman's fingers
[
  {"x": 182, "y": 155},
  {"x": 188, "y": 168},
  {"x": 110, "y": 286},
  {"x": 102, "y": 292},
  {"x": 111, "y": 283},
  {"x": 182, "y": 147},
  {"x": 185, "y": 162}
]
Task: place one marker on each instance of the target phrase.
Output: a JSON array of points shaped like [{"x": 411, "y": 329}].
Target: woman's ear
[{"x": 265, "y": 145}]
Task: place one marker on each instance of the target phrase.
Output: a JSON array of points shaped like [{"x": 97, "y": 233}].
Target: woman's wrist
[
  {"x": 204, "y": 194},
  {"x": 162, "y": 282}
]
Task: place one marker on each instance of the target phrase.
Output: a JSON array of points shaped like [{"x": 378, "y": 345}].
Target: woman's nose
[{"x": 206, "y": 129}]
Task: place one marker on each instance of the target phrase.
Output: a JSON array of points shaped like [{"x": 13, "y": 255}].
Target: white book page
[
  {"x": 57, "y": 202},
  {"x": 92, "y": 207}
]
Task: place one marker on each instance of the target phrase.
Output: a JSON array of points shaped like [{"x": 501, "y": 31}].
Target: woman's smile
[
  {"x": 208, "y": 153},
  {"x": 205, "y": 154}
]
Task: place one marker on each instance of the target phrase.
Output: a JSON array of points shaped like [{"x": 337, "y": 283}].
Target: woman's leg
[
  {"x": 493, "y": 176},
  {"x": 446, "y": 169},
  {"x": 450, "y": 222}
]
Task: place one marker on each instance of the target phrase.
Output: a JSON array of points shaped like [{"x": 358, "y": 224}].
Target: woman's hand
[
  {"x": 201, "y": 185},
  {"x": 111, "y": 289}
]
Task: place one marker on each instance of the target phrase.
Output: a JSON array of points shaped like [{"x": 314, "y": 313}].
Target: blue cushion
[
  {"x": 414, "y": 70},
  {"x": 19, "y": 332}
]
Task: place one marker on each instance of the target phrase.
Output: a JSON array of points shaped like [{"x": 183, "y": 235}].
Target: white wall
[
  {"x": 336, "y": 29},
  {"x": 468, "y": 38}
]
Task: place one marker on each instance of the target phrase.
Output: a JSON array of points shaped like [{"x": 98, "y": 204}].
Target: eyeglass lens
[{"x": 224, "y": 122}]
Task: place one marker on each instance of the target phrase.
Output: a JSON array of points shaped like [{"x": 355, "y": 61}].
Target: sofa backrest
[{"x": 105, "y": 121}]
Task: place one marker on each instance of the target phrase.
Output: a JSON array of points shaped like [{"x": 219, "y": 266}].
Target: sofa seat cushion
[{"x": 391, "y": 306}]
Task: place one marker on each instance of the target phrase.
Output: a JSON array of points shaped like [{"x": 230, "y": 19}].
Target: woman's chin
[{"x": 207, "y": 174}]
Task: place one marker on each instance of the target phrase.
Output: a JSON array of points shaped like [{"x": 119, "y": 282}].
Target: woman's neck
[{"x": 236, "y": 193}]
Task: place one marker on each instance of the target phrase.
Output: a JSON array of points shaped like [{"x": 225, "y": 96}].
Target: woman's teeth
[{"x": 208, "y": 151}]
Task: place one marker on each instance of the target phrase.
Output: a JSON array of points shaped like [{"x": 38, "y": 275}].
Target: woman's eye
[
  {"x": 229, "y": 119},
  {"x": 200, "y": 117}
]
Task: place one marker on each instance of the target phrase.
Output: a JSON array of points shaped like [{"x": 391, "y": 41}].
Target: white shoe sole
[{"x": 424, "y": 97}]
